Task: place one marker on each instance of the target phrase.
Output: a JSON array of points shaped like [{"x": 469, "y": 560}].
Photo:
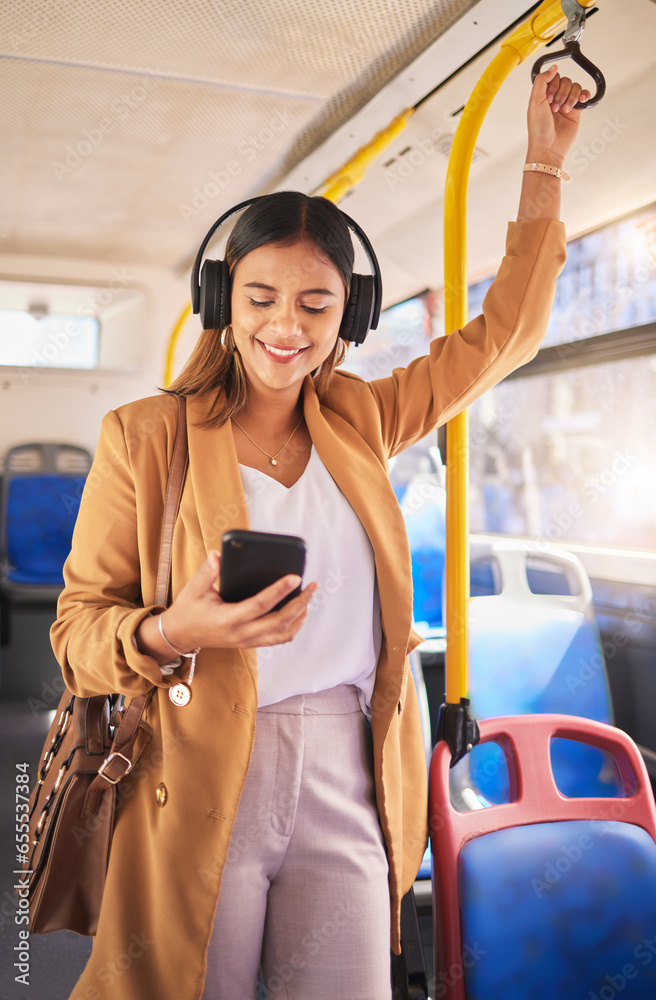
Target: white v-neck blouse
[{"x": 340, "y": 640}]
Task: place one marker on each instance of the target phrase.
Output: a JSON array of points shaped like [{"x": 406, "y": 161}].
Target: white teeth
[{"x": 282, "y": 353}]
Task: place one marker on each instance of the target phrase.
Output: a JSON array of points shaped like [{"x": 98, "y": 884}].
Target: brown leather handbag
[{"x": 91, "y": 746}]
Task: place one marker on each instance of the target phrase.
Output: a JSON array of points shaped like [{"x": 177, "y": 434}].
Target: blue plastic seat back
[
  {"x": 535, "y": 648},
  {"x": 42, "y": 485},
  {"x": 564, "y": 909},
  {"x": 40, "y": 517}
]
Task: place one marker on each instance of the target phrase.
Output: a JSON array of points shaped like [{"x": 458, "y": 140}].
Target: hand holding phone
[
  {"x": 253, "y": 560},
  {"x": 199, "y": 617}
]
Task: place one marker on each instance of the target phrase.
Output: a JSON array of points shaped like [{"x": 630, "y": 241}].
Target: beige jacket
[{"x": 166, "y": 861}]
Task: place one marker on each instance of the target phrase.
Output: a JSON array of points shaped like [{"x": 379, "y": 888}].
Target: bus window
[
  {"x": 53, "y": 341},
  {"x": 563, "y": 449}
]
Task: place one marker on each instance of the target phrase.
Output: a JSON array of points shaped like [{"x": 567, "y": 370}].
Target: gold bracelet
[{"x": 547, "y": 168}]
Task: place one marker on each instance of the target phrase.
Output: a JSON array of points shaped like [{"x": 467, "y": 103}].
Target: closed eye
[{"x": 259, "y": 304}]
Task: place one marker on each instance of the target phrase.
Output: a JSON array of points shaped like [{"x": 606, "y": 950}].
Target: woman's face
[{"x": 287, "y": 306}]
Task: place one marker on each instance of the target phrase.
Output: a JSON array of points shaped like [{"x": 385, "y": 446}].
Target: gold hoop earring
[{"x": 228, "y": 345}]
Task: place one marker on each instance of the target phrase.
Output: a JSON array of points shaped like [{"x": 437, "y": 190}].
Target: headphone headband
[
  {"x": 362, "y": 310},
  {"x": 195, "y": 283}
]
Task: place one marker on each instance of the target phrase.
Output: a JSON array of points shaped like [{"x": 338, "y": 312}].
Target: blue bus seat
[
  {"x": 546, "y": 895},
  {"x": 534, "y": 641},
  {"x": 41, "y": 489},
  {"x": 534, "y": 648}
]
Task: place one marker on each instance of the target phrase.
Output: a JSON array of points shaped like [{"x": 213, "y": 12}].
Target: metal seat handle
[{"x": 572, "y": 50}]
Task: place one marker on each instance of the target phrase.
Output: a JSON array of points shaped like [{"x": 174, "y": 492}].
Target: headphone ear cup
[
  {"x": 359, "y": 309},
  {"x": 225, "y": 310},
  {"x": 346, "y": 325},
  {"x": 214, "y": 295}
]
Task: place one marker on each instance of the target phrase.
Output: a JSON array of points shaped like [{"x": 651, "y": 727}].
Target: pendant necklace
[{"x": 272, "y": 458}]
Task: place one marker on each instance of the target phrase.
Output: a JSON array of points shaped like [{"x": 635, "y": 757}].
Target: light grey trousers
[{"x": 305, "y": 887}]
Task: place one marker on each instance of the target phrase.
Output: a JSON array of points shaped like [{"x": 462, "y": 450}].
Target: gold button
[{"x": 161, "y": 794}]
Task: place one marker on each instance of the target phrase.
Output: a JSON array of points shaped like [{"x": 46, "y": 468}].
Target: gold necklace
[{"x": 272, "y": 458}]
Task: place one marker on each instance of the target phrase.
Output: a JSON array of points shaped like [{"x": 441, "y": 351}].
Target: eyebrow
[{"x": 307, "y": 291}]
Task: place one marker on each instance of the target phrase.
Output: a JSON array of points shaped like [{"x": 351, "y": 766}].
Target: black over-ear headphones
[{"x": 211, "y": 295}]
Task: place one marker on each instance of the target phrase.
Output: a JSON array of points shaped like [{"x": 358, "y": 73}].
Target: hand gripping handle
[{"x": 572, "y": 50}]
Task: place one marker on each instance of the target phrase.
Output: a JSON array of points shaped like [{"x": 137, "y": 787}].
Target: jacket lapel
[{"x": 217, "y": 502}]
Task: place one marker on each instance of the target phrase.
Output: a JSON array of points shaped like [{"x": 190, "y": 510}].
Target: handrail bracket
[{"x": 575, "y": 15}]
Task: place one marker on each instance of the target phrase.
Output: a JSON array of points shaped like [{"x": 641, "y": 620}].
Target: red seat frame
[{"x": 526, "y": 741}]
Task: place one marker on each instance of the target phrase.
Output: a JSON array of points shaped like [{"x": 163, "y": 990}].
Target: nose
[{"x": 285, "y": 320}]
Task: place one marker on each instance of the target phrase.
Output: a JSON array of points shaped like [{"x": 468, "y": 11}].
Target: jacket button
[{"x": 161, "y": 794}]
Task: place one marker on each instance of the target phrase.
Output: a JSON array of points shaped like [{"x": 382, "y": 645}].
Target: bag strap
[
  {"x": 132, "y": 735},
  {"x": 175, "y": 482}
]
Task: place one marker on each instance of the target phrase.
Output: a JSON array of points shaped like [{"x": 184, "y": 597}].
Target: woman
[{"x": 312, "y": 822}]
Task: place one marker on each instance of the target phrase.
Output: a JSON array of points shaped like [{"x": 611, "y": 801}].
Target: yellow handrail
[
  {"x": 172, "y": 344},
  {"x": 546, "y": 22},
  {"x": 352, "y": 172},
  {"x": 455, "y": 317}
]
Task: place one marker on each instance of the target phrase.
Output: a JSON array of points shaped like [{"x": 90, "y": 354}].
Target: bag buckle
[{"x": 106, "y": 763}]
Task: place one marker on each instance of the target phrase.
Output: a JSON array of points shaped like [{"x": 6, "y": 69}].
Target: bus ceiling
[{"x": 125, "y": 145}]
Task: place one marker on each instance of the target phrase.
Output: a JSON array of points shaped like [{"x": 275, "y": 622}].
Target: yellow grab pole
[
  {"x": 541, "y": 27},
  {"x": 352, "y": 172},
  {"x": 173, "y": 340},
  {"x": 455, "y": 315}
]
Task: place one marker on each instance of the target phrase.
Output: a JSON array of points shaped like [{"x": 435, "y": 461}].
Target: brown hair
[{"x": 281, "y": 218}]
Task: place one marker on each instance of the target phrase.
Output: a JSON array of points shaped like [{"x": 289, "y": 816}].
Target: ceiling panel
[
  {"x": 129, "y": 167},
  {"x": 287, "y": 46},
  {"x": 130, "y": 127}
]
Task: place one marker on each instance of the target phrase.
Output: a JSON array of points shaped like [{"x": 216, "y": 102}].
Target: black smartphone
[{"x": 252, "y": 560}]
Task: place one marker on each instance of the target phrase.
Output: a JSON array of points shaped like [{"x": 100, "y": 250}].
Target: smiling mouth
[{"x": 281, "y": 352}]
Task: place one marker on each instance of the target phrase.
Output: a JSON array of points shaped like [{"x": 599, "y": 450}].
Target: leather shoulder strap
[
  {"x": 175, "y": 482},
  {"x": 131, "y": 735}
]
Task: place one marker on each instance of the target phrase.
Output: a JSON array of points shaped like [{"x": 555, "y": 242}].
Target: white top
[{"x": 340, "y": 640}]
